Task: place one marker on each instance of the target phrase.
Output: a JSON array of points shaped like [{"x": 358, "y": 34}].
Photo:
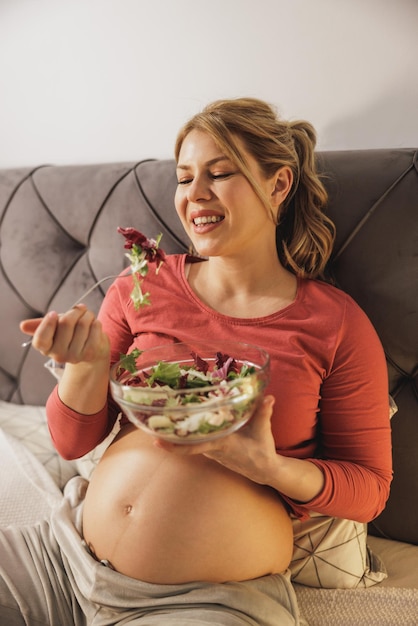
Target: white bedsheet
[{"x": 27, "y": 491}]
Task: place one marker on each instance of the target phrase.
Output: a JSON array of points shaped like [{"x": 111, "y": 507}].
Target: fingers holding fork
[
  {"x": 30, "y": 326},
  {"x": 69, "y": 337}
]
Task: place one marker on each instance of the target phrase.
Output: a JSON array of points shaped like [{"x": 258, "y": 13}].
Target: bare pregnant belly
[{"x": 167, "y": 519}]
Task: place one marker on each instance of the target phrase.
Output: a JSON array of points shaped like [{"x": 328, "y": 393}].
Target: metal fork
[{"x": 127, "y": 272}]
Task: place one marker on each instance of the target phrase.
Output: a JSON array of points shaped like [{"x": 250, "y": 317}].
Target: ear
[{"x": 283, "y": 180}]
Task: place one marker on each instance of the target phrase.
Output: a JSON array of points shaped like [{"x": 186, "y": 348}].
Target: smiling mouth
[{"x": 207, "y": 219}]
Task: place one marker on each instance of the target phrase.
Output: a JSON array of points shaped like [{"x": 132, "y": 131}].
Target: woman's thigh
[
  {"x": 33, "y": 587},
  {"x": 267, "y": 601}
]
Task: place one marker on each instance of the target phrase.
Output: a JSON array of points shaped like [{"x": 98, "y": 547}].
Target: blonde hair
[{"x": 305, "y": 234}]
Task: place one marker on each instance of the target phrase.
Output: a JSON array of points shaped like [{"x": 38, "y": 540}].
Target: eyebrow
[{"x": 208, "y": 163}]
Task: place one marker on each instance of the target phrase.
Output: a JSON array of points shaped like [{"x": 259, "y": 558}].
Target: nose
[{"x": 198, "y": 189}]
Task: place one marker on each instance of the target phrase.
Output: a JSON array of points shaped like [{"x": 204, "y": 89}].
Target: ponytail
[{"x": 305, "y": 234}]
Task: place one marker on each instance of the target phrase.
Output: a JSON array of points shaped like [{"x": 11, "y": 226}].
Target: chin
[
  {"x": 202, "y": 251},
  {"x": 205, "y": 253}
]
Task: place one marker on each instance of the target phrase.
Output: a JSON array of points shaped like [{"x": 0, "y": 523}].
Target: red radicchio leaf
[
  {"x": 221, "y": 359},
  {"x": 201, "y": 365},
  {"x": 226, "y": 366},
  {"x": 149, "y": 246},
  {"x": 183, "y": 381},
  {"x": 132, "y": 236},
  {"x": 160, "y": 402}
]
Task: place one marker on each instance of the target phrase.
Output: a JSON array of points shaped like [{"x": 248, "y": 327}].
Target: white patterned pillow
[
  {"x": 332, "y": 553},
  {"x": 28, "y": 424}
]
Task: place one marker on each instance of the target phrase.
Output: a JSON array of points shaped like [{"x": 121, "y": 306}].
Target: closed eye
[{"x": 221, "y": 176}]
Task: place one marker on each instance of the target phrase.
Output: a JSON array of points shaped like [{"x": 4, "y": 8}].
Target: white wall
[{"x": 107, "y": 80}]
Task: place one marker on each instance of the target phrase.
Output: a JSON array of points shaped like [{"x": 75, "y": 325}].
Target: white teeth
[{"x": 207, "y": 219}]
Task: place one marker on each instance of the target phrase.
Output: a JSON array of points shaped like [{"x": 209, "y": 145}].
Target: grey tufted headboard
[{"x": 58, "y": 236}]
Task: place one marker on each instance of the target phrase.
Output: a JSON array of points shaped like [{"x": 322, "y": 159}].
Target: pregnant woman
[{"x": 202, "y": 534}]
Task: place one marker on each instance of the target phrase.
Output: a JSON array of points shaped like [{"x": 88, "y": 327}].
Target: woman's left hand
[{"x": 250, "y": 451}]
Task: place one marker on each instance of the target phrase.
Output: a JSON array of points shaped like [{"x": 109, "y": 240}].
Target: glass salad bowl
[{"x": 188, "y": 393}]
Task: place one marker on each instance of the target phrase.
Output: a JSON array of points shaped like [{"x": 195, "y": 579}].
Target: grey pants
[{"x": 48, "y": 578}]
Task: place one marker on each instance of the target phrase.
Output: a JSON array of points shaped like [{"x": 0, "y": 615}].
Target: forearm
[
  {"x": 333, "y": 488},
  {"x": 77, "y": 410},
  {"x": 351, "y": 490},
  {"x": 84, "y": 386},
  {"x": 74, "y": 434},
  {"x": 298, "y": 479}
]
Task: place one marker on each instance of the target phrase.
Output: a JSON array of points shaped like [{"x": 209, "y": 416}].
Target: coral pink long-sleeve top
[{"x": 328, "y": 375}]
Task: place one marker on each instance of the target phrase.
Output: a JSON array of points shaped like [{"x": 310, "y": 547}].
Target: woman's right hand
[
  {"x": 72, "y": 337},
  {"x": 75, "y": 338}
]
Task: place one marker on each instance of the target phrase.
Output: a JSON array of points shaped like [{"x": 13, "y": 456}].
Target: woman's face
[{"x": 219, "y": 210}]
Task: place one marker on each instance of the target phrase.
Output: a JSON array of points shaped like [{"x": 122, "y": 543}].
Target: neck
[
  {"x": 246, "y": 274},
  {"x": 248, "y": 286}
]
